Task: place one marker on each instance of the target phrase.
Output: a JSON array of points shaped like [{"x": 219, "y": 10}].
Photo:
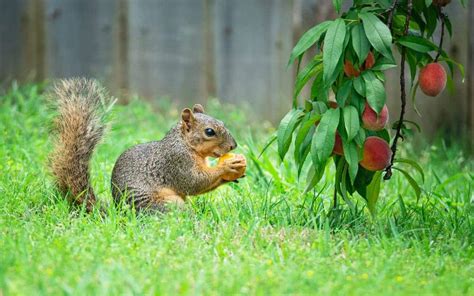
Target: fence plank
[
  {"x": 79, "y": 38},
  {"x": 10, "y": 45},
  {"x": 253, "y": 41},
  {"x": 166, "y": 49},
  {"x": 18, "y": 41}
]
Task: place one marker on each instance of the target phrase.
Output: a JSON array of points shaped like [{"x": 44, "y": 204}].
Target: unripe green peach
[
  {"x": 376, "y": 154},
  {"x": 373, "y": 121},
  {"x": 432, "y": 79}
]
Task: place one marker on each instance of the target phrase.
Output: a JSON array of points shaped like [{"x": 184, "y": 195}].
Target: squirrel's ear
[
  {"x": 198, "y": 108},
  {"x": 188, "y": 118}
]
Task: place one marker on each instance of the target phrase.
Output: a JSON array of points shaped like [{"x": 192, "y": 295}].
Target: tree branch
[
  {"x": 391, "y": 13},
  {"x": 403, "y": 95}
]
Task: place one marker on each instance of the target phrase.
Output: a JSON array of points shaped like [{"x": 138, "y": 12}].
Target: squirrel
[{"x": 149, "y": 175}]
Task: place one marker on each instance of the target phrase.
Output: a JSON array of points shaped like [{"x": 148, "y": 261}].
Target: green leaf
[
  {"x": 315, "y": 174},
  {"x": 357, "y": 100},
  {"x": 448, "y": 25},
  {"x": 333, "y": 48},
  {"x": 344, "y": 190},
  {"x": 324, "y": 136},
  {"x": 337, "y": 5},
  {"x": 431, "y": 17},
  {"x": 383, "y": 67},
  {"x": 376, "y": 94},
  {"x": 304, "y": 149},
  {"x": 416, "y": 43},
  {"x": 319, "y": 107},
  {"x": 269, "y": 142},
  {"x": 306, "y": 74},
  {"x": 351, "y": 155},
  {"x": 351, "y": 121},
  {"x": 360, "y": 137},
  {"x": 383, "y": 64},
  {"x": 411, "y": 58},
  {"x": 303, "y": 138},
  {"x": 363, "y": 179},
  {"x": 343, "y": 92},
  {"x": 378, "y": 34},
  {"x": 428, "y": 2},
  {"x": 285, "y": 130},
  {"x": 451, "y": 63},
  {"x": 411, "y": 181},
  {"x": 373, "y": 192},
  {"x": 360, "y": 43},
  {"x": 318, "y": 90},
  {"x": 359, "y": 86},
  {"x": 309, "y": 38},
  {"x": 413, "y": 164}
]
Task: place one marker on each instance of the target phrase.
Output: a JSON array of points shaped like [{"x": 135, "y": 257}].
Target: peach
[
  {"x": 338, "y": 145},
  {"x": 376, "y": 154},
  {"x": 432, "y": 79},
  {"x": 333, "y": 104},
  {"x": 232, "y": 176},
  {"x": 372, "y": 121},
  {"x": 369, "y": 61},
  {"x": 349, "y": 69}
]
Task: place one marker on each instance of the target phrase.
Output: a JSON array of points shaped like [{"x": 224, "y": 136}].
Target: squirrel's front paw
[{"x": 234, "y": 167}]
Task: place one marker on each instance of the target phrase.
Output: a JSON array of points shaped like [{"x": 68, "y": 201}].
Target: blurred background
[{"x": 191, "y": 50}]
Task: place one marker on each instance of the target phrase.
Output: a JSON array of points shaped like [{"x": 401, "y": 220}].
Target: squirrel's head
[{"x": 205, "y": 134}]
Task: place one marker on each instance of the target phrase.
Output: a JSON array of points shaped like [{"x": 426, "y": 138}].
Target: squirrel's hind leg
[{"x": 167, "y": 197}]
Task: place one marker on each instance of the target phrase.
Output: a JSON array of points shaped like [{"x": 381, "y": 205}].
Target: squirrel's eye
[{"x": 209, "y": 132}]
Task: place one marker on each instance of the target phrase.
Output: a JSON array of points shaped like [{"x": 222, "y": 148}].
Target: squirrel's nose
[{"x": 233, "y": 145}]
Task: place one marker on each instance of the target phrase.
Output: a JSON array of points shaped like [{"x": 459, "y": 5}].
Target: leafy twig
[{"x": 403, "y": 96}]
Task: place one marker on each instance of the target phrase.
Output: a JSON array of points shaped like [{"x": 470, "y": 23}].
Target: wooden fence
[{"x": 190, "y": 50}]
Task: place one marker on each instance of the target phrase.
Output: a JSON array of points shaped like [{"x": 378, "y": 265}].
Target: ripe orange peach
[
  {"x": 372, "y": 121},
  {"x": 232, "y": 176},
  {"x": 376, "y": 154},
  {"x": 432, "y": 79}
]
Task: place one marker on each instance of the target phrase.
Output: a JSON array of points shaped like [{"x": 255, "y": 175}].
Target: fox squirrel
[{"x": 150, "y": 175}]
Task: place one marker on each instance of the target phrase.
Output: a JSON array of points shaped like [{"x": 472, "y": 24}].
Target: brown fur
[
  {"x": 79, "y": 129},
  {"x": 152, "y": 174}
]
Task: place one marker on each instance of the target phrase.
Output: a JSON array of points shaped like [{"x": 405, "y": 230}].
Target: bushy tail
[{"x": 80, "y": 126}]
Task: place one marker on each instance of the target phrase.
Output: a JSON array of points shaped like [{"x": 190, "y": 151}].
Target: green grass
[{"x": 261, "y": 236}]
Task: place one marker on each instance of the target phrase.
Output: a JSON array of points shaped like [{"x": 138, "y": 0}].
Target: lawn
[{"x": 261, "y": 236}]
